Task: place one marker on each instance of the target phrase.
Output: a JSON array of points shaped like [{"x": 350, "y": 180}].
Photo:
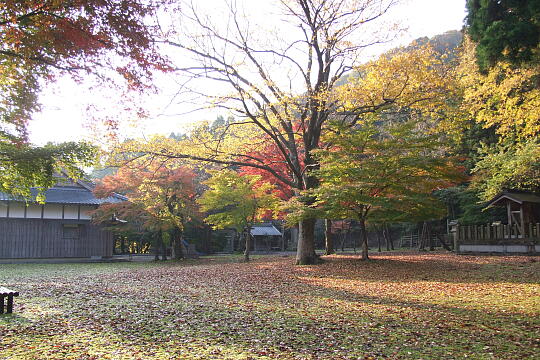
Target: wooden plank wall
[{"x": 37, "y": 238}]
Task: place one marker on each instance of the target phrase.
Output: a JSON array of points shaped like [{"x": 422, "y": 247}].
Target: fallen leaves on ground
[{"x": 396, "y": 306}]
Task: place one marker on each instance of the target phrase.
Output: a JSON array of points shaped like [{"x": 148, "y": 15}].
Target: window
[{"x": 71, "y": 231}]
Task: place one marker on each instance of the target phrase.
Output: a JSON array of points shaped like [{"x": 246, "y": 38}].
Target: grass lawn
[{"x": 398, "y": 306}]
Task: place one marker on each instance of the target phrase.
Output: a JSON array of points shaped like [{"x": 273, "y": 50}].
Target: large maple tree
[
  {"x": 278, "y": 86},
  {"x": 157, "y": 199}
]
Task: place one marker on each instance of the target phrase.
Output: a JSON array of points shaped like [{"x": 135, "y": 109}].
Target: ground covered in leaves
[{"x": 398, "y": 306}]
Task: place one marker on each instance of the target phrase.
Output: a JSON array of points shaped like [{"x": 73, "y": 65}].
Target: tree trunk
[
  {"x": 378, "y": 239},
  {"x": 422, "y": 238},
  {"x": 305, "y": 253},
  {"x": 176, "y": 239},
  {"x": 156, "y": 247},
  {"x": 329, "y": 241},
  {"x": 162, "y": 246},
  {"x": 430, "y": 238},
  {"x": 386, "y": 239},
  {"x": 363, "y": 237},
  {"x": 353, "y": 238},
  {"x": 122, "y": 244},
  {"x": 248, "y": 246},
  {"x": 390, "y": 239}
]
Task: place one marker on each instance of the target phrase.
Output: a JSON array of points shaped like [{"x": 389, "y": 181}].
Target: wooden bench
[{"x": 5, "y": 292}]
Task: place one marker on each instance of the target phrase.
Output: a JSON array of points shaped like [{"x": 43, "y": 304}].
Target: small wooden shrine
[
  {"x": 521, "y": 209},
  {"x": 519, "y": 234}
]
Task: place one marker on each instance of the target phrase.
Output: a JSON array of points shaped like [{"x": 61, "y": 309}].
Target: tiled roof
[
  {"x": 264, "y": 230},
  {"x": 68, "y": 195}
]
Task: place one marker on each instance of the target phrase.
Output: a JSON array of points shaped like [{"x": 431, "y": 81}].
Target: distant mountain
[
  {"x": 446, "y": 43},
  {"x": 442, "y": 43}
]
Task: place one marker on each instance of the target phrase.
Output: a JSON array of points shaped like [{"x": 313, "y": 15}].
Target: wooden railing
[
  {"x": 497, "y": 239},
  {"x": 497, "y": 234}
]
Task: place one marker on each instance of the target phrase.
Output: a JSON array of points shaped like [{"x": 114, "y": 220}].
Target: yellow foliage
[
  {"x": 417, "y": 79},
  {"x": 506, "y": 98}
]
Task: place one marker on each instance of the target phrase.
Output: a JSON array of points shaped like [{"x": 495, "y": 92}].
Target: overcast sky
[{"x": 63, "y": 116}]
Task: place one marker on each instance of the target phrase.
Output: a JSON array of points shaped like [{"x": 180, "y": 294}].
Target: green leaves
[
  {"x": 506, "y": 30},
  {"x": 235, "y": 201},
  {"x": 514, "y": 166},
  {"x": 25, "y": 166},
  {"x": 384, "y": 166}
]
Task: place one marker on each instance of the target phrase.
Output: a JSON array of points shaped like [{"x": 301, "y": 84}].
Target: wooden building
[
  {"x": 59, "y": 228},
  {"x": 518, "y": 233},
  {"x": 521, "y": 209},
  {"x": 266, "y": 237}
]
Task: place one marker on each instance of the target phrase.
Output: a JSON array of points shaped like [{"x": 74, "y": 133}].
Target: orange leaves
[{"x": 158, "y": 198}]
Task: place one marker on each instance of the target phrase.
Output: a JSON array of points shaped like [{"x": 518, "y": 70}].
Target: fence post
[{"x": 456, "y": 239}]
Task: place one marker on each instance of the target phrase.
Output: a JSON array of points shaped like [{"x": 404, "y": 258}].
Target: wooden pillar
[
  {"x": 457, "y": 239},
  {"x": 522, "y": 220},
  {"x": 509, "y": 214},
  {"x": 9, "y": 304},
  {"x": 283, "y": 237}
]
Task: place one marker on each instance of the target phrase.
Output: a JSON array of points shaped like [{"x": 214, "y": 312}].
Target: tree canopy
[
  {"x": 505, "y": 99},
  {"x": 235, "y": 201},
  {"x": 505, "y": 30},
  {"x": 285, "y": 111},
  {"x": 157, "y": 198}
]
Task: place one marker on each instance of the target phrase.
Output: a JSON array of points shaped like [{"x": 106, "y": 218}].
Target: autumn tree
[
  {"x": 386, "y": 135},
  {"x": 381, "y": 169},
  {"x": 157, "y": 199},
  {"x": 504, "y": 100},
  {"x": 277, "y": 87},
  {"x": 41, "y": 40},
  {"x": 237, "y": 202}
]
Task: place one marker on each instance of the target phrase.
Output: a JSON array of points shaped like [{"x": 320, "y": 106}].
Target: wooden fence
[{"x": 497, "y": 238}]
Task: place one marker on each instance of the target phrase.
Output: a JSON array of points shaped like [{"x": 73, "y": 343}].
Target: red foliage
[
  {"x": 156, "y": 198},
  {"x": 274, "y": 158}
]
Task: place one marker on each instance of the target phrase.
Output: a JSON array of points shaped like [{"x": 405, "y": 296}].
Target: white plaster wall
[
  {"x": 16, "y": 210},
  {"x": 517, "y": 248},
  {"x": 494, "y": 248},
  {"x": 52, "y": 211},
  {"x": 33, "y": 211},
  {"x": 71, "y": 212},
  {"x": 84, "y": 211},
  {"x": 3, "y": 209}
]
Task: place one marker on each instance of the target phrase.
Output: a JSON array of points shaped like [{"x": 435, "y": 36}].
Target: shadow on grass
[
  {"x": 399, "y": 267},
  {"x": 13, "y": 319},
  {"x": 267, "y": 309}
]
